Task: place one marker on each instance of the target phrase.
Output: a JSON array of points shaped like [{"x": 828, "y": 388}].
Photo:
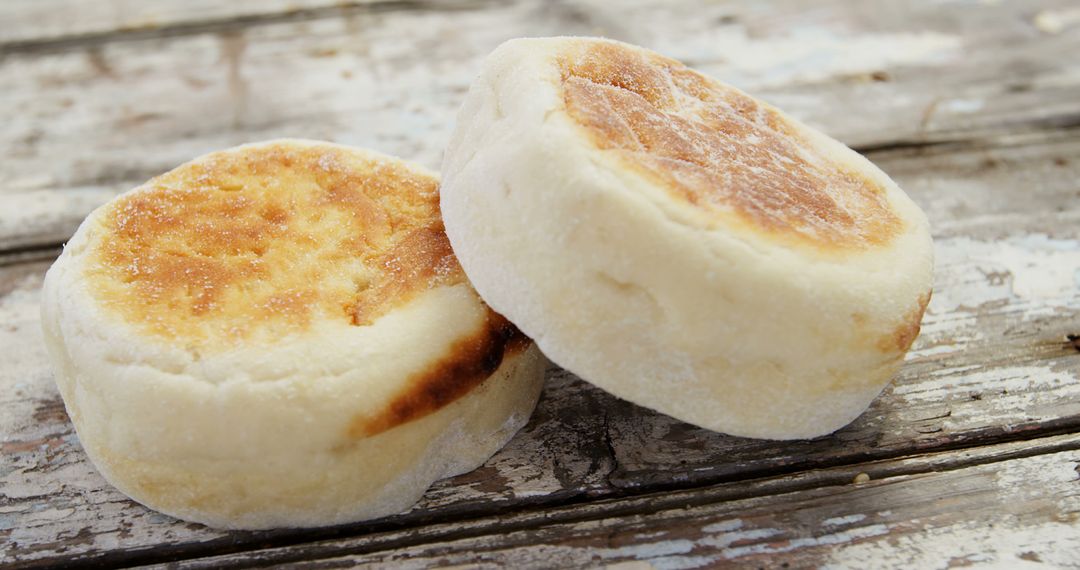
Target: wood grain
[
  {"x": 93, "y": 119},
  {"x": 993, "y": 364}
]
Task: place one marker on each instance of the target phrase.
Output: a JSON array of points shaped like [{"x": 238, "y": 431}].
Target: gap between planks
[
  {"x": 30, "y": 254},
  {"x": 196, "y": 26},
  {"x": 1035, "y": 130},
  {"x": 444, "y": 531}
]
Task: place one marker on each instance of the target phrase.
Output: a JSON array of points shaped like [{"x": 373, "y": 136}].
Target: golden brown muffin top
[
  {"x": 719, "y": 149},
  {"x": 256, "y": 243}
]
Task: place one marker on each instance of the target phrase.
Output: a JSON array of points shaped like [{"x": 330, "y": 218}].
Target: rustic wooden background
[{"x": 972, "y": 456}]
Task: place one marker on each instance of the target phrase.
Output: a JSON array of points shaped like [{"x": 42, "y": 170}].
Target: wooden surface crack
[
  {"x": 234, "y": 24},
  {"x": 879, "y": 472}
]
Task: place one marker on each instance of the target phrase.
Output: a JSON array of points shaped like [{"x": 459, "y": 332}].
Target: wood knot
[{"x": 1073, "y": 340}]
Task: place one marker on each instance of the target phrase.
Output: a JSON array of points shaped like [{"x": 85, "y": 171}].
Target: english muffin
[
  {"x": 679, "y": 243},
  {"x": 279, "y": 335}
]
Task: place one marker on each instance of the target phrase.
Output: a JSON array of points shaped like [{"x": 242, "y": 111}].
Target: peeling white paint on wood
[
  {"x": 845, "y": 520},
  {"x": 1028, "y": 275},
  {"x": 1051, "y": 544},
  {"x": 1020, "y": 267},
  {"x": 1057, "y": 21}
]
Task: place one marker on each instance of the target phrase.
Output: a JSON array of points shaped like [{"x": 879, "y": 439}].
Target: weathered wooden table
[{"x": 971, "y": 456}]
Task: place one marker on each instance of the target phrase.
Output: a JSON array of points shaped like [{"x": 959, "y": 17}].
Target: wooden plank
[
  {"x": 992, "y": 364},
  {"x": 985, "y": 507},
  {"x": 91, "y": 120},
  {"x": 984, "y": 189}
]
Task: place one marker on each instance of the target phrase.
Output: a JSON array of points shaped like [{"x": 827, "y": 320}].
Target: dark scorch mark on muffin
[{"x": 469, "y": 362}]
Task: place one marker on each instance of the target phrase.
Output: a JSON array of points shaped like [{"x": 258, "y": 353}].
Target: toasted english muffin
[
  {"x": 278, "y": 335},
  {"x": 679, "y": 243}
]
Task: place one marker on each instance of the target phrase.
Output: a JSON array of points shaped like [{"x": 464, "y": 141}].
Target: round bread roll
[
  {"x": 680, "y": 244},
  {"x": 278, "y": 335}
]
